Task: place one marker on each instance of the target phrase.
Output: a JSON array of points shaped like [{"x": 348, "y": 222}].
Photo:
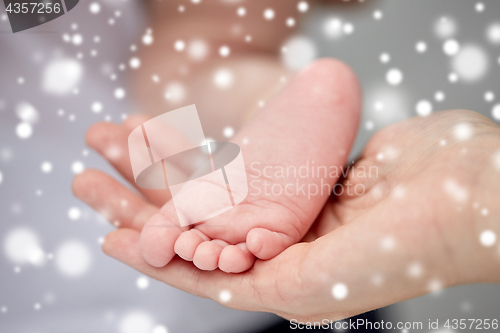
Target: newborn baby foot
[{"x": 311, "y": 124}]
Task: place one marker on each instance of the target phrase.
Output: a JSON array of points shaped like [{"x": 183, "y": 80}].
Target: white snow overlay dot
[
  {"x": 340, "y": 291},
  {"x": 73, "y": 259},
  {"x": 394, "y": 77},
  {"x": 424, "y": 108},
  {"x": 488, "y": 238}
]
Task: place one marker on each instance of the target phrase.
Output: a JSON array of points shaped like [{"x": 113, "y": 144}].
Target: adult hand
[{"x": 425, "y": 221}]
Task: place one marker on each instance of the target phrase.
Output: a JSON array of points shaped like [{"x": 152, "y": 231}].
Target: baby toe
[
  {"x": 157, "y": 240},
  {"x": 236, "y": 259},
  {"x": 188, "y": 241},
  {"x": 206, "y": 256},
  {"x": 266, "y": 244}
]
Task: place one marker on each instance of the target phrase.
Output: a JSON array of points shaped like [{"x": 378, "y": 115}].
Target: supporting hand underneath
[{"x": 427, "y": 220}]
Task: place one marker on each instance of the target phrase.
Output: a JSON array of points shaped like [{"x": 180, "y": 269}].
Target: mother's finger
[
  {"x": 232, "y": 290},
  {"x": 111, "y": 141},
  {"x": 271, "y": 286},
  {"x": 118, "y": 204}
]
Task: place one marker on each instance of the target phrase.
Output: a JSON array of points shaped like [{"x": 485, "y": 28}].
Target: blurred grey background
[{"x": 412, "y": 57}]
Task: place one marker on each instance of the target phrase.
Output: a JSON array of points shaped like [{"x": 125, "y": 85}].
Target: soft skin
[
  {"x": 406, "y": 210},
  {"x": 322, "y": 104},
  {"x": 407, "y": 202}
]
